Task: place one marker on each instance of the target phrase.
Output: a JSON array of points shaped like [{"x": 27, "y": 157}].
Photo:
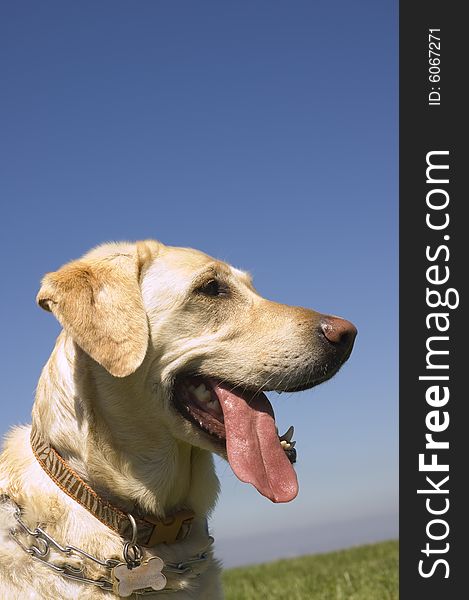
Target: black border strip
[{"x": 436, "y": 123}]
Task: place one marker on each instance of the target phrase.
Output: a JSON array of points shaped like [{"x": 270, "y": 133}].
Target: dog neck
[{"x": 110, "y": 433}]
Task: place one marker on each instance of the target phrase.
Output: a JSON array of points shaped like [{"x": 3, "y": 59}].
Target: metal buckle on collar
[{"x": 174, "y": 528}]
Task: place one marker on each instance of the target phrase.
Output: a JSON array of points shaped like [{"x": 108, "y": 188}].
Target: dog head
[{"x": 209, "y": 344}]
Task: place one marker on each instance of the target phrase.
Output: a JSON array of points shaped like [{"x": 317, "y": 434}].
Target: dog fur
[{"x": 132, "y": 321}]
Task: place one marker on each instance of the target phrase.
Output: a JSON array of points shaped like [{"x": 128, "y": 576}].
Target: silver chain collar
[{"x": 39, "y": 550}]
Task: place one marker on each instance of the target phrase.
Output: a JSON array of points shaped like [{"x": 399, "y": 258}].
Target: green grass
[{"x": 362, "y": 573}]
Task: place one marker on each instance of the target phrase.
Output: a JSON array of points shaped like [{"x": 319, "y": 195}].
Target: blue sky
[{"x": 265, "y": 134}]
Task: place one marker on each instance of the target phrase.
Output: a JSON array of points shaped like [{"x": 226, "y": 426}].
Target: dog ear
[{"x": 97, "y": 300}]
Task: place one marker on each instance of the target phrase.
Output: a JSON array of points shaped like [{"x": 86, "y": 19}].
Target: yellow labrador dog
[{"x": 164, "y": 358}]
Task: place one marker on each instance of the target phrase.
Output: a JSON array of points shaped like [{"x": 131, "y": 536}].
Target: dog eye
[{"x": 212, "y": 288}]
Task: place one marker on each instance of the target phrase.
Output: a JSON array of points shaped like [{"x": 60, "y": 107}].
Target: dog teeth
[
  {"x": 287, "y": 436},
  {"x": 289, "y": 447},
  {"x": 201, "y": 393}
]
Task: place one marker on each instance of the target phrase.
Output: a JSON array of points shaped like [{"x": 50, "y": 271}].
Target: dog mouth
[{"x": 241, "y": 422}]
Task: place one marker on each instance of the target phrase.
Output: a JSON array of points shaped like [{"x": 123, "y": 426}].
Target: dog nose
[{"x": 339, "y": 332}]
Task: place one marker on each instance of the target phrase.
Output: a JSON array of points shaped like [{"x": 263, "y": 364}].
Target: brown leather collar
[{"x": 150, "y": 531}]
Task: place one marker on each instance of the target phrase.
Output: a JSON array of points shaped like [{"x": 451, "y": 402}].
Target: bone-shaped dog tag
[{"x": 147, "y": 575}]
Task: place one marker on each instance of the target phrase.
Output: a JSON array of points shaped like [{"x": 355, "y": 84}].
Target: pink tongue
[{"x": 253, "y": 447}]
